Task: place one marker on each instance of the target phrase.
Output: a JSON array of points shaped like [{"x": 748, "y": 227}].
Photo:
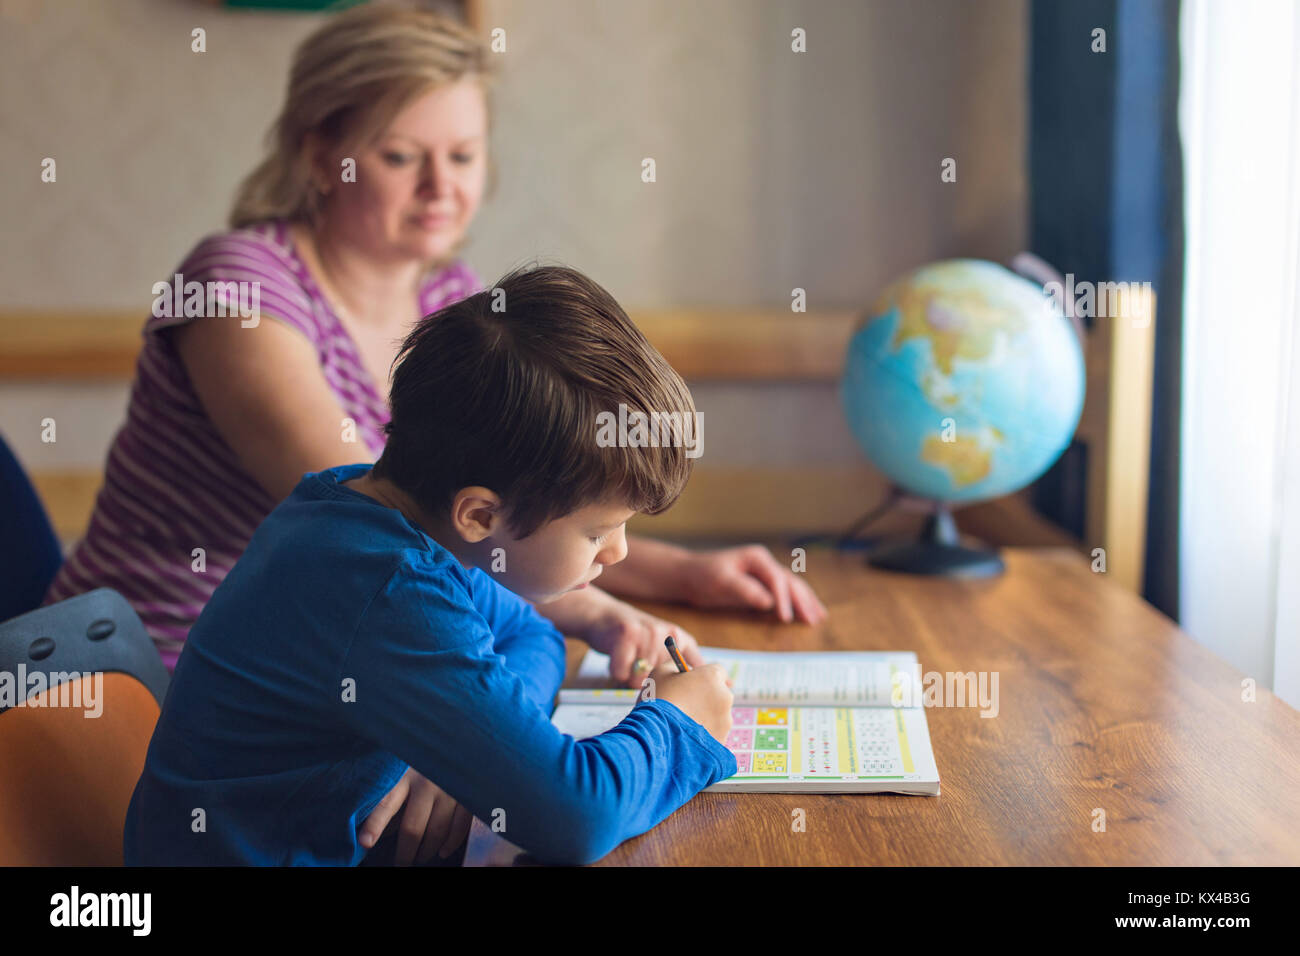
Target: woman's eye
[
  {"x": 600, "y": 540},
  {"x": 395, "y": 159},
  {"x": 463, "y": 158}
]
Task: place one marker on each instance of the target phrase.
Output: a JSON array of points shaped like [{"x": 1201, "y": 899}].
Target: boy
[{"x": 371, "y": 624}]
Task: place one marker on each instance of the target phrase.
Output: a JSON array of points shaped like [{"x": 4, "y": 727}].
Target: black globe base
[
  {"x": 938, "y": 551},
  {"x": 953, "y": 561}
]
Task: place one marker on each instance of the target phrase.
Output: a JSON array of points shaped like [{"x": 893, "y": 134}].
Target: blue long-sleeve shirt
[{"x": 346, "y": 645}]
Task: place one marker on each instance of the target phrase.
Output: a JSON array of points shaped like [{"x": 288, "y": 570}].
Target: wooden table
[{"x": 1104, "y": 705}]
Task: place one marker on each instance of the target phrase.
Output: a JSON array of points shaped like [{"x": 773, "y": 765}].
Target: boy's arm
[
  {"x": 431, "y": 689},
  {"x": 530, "y": 644}
]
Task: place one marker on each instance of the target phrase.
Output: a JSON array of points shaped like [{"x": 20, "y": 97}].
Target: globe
[{"x": 964, "y": 382}]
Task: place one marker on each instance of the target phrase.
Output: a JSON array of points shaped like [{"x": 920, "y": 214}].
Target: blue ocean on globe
[{"x": 964, "y": 382}]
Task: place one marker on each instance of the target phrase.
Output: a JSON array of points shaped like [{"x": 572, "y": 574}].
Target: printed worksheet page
[{"x": 824, "y": 678}]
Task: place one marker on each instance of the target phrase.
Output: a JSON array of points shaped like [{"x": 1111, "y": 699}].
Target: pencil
[{"x": 682, "y": 666}]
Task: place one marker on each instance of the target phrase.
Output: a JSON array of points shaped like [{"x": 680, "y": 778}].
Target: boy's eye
[
  {"x": 395, "y": 159},
  {"x": 600, "y": 540},
  {"x": 463, "y": 158}
]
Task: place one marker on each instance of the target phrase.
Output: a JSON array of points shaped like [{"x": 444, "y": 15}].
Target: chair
[
  {"x": 68, "y": 774},
  {"x": 1116, "y": 429},
  {"x": 29, "y": 551}
]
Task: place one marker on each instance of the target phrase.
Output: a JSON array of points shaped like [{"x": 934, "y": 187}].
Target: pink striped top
[{"x": 171, "y": 483}]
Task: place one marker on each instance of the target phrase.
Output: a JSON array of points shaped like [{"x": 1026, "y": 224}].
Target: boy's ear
[{"x": 476, "y": 513}]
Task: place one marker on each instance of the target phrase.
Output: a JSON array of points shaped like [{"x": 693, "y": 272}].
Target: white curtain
[{"x": 1240, "y": 468}]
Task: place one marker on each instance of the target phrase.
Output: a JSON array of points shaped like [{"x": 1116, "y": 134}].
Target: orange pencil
[{"x": 682, "y": 666}]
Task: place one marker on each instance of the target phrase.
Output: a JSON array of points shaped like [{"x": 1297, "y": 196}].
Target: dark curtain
[{"x": 1106, "y": 203}]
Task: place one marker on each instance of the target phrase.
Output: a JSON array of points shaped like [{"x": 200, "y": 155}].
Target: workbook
[{"x": 824, "y": 722}]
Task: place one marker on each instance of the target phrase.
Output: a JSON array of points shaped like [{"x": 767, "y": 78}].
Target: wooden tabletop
[{"x": 1104, "y": 707}]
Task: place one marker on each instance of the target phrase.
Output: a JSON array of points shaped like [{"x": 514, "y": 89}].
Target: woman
[{"x": 341, "y": 239}]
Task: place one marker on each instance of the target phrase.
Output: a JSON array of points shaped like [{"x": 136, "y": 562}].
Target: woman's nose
[{"x": 433, "y": 179}]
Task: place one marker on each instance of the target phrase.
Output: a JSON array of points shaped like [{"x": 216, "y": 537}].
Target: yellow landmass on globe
[
  {"x": 956, "y": 322},
  {"x": 965, "y": 459},
  {"x": 938, "y": 390}
]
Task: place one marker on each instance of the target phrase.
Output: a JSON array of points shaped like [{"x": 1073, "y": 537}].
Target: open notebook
[{"x": 801, "y": 722}]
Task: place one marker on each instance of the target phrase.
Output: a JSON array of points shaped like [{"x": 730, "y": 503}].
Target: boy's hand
[
  {"x": 703, "y": 694},
  {"x": 431, "y": 823},
  {"x": 627, "y": 635},
  {"x": 748, "y": 577}
]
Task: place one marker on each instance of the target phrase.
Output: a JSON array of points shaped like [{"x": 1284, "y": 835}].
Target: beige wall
[{"x": 775, "y": 169}]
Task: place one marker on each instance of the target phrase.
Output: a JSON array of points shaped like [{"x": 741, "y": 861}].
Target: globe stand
[{"x": 938, "y": 551}]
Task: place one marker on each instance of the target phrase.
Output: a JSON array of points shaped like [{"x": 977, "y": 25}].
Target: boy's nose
[{"x": 615, "y": 549}]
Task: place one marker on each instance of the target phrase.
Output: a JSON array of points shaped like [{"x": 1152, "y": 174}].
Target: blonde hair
[{"x": 349, "y": 79}]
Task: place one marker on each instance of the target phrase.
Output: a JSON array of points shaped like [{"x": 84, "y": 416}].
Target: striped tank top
[{"x": 171, "y": 483}]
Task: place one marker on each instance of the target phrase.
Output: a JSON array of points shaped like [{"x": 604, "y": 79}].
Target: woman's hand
[
  {"x": 748, "y": 577},
  {"x": 618, "y": 629},
  {"x": 628, "y": 635},
  {"x": 431, "y": 823}
]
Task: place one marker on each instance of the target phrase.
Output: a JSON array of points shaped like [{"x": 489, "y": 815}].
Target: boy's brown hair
[{"x": 504, "y": 389}]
